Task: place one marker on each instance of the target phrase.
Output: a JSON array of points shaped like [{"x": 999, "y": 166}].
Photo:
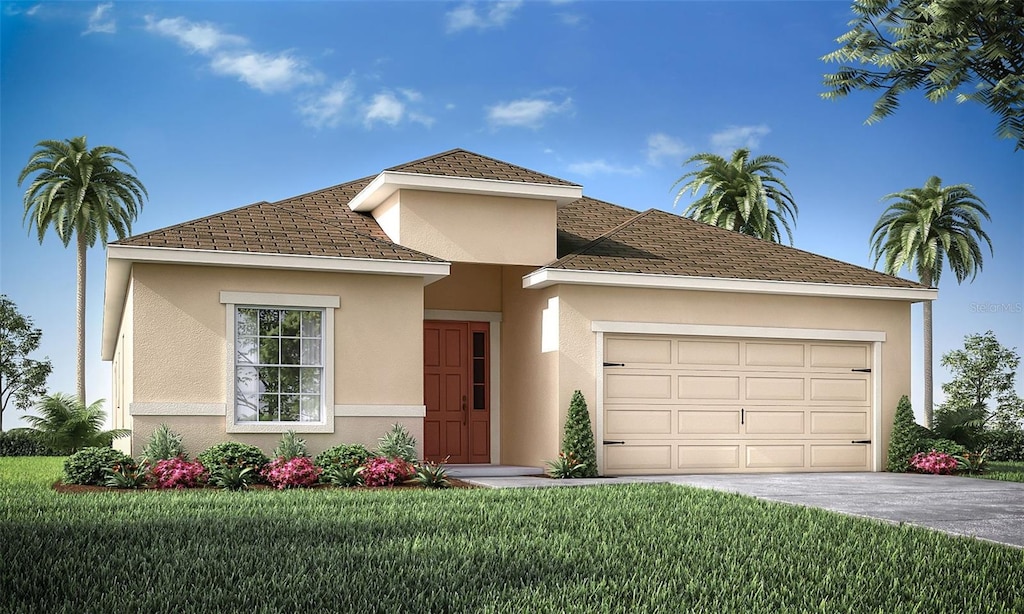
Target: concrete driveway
[{"x": 987, "y": 509}]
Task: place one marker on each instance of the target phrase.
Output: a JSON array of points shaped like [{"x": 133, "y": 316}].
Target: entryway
[{"x": 456, "y": 392}]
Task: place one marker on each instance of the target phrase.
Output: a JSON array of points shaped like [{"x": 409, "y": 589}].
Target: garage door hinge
[
  {"x": 615, "y": 364},
  {"x": 608, "y": 442},
  {"x": 861, "y": 441},
  {"x": 861, "y": 370}
]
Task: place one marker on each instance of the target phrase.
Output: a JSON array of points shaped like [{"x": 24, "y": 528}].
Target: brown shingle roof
[
  {"x": 315, "y": 224},
  {"x": 660, "y": 243},
  {"x": 462, "y": 163},
  {"x": 586, "y": 219}
]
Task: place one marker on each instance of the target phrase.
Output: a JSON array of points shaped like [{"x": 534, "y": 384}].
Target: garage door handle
[
  {"x": 608, "y": 442},
  {"x": 615, "y": 364},
  {"x": 861, "y": 441}
]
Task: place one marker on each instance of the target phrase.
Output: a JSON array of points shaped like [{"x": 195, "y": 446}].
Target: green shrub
[
  {"x": 163, "y": 444},
  {"x": 947, "y": 446},
  {"x": 290, "y": 447},
  {"x": 127, "y": 476},
  {"x": 343, "y": 476},
  {"x": 905, "y": 440},
  {"x": 233, "y": 454},
  {"x": 89, "y": 466},
  {"x": 345, "y": 455},
  {"x": 23, "y": 442},
  {"x": 431, "y": 475},
  {"x": 566, "y": 466},
  {"x": 232, "y": 477},
  {"x": 397, "y": 443},
  {"x": 578, "y": 440},
  {"x": 1005, "y": 444}
]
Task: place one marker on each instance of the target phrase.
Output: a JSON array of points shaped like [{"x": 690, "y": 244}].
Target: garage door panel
[
  {"x": 638, "y": 421},
  {"x": 774, "y": 456},
  {"x": 774, "y": 388},
  {"x": 829, "y": 389},
  {"x": 624, "y": 386},
  {"x": 840, "y": 356},
  {"x": 709, "y": 422},
  {"x": 708, "y": 353},
  {"x": 774, "y": 422},
  {"x": 850, "y": 456},
  {"x": 639, "y": 351},
  {"x": 638, "y": 458},
  {"x": 709, "y": 457},
  {"x": 839, "y": 422},
  {"x": 774, "y": 355},
  {"x": 707, "y": 387}
]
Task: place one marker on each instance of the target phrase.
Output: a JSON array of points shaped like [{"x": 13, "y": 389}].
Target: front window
[{"x": 278, "y": 364}]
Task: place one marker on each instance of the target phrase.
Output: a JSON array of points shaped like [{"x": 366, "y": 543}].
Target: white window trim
[
  {"x": 876, "y": 338},
  {"x": 494, "y": 319},
  {"x": 231, "y": 300}
]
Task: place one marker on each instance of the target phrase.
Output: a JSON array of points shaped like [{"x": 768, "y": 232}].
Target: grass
[
  {"x": 631, "y": 548},
  {"x": 1005, "y": 471}
]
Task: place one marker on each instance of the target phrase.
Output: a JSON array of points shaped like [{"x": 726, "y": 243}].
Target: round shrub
[
  {"x": 89, "y": 465},
  {"x": 234, "y": 454},
  {"x": 23, "y": 442},
  {"x": 178, "y": 473},
  {"x": 298, "y": 472},
  {"x": 344, "y": 455},
  {"x": 935, "y": 462},
  {"x": 946, "y": 446},
  {"x": 381, "y": 471}
]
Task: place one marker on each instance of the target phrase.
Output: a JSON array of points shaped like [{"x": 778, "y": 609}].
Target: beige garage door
[{"x": 714, "y": 405}]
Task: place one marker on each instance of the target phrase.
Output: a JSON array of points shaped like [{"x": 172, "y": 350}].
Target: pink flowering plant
[
  {"x": 298, "y": 472},
  {"x": 381, "y": 471},
  {"x": 178, "y": 473},
  {"x": 935, "y": 462}
]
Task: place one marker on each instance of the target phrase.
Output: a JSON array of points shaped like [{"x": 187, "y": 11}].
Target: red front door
[{"x": 456, "y": 391}]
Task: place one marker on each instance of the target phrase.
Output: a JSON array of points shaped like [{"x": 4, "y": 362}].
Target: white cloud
[
  {"x": 420, "y": 118},
  {"x": 466, "y": 16},
  {"x": 526, "y": 112},
  {"x": 99, "y": 21},
  {"x": 33, "y": 10},
  {"x": 661, "y": 146},
  {"x": 571, "y": 19},
  {"x": 203, "y": 38},
  {"x": 602, "y": 167},
  {"x": 410, "y": 94},
  {"x": 384, "y": 108},
  {"x": 326, "y": 109},
  {"x": 734, "y": 137},
  {"x": 265, "y": 72}
]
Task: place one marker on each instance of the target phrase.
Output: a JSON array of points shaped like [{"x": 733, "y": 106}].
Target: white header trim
[
  {"x": 389, "y": 182},
  {"x": 711, "y": 330},
  {"x": 543, "y": 278},
  {"x": 460, "y": 315},
  {"x": 280, "y": 300}
]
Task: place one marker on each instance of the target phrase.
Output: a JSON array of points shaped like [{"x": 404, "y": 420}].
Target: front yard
[
  {"x": 641, "y": 548},
  {"x": 1006, "y": 471}
]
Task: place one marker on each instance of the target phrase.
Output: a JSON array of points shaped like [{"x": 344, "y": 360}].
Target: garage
[{"x": 689, "y": 404}]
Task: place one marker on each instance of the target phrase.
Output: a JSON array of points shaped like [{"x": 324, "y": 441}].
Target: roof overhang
[
  {"x": 542, "y": 278},
  {"x": 389, "y": 182},
  {"x": 120, "y": 259}
]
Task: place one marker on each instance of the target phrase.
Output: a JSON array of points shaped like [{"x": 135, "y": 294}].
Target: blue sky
[{"x": 224, "y": 104}]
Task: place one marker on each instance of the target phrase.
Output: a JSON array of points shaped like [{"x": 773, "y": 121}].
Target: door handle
[
  {"x": 465, "y": 411},
  {"x": 861, "y": 441},
  {"x": 608, "y": 442}
]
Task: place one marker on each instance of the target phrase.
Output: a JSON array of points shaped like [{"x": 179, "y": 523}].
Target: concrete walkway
[{"x": 986, "y": 509}]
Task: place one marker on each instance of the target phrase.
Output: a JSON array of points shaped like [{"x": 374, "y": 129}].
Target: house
[{"x": 467, "y": 298}]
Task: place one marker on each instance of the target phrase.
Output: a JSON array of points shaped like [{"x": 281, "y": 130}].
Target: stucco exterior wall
[
  {"x": 180, "y": 353},
  {"x": 530, "y": 431},
  {"x": 581, "y": 305},
  {"x": 469, "y": 287},
  {"x": 122, "y": 374},
  {"x": 475, "y": 228}
]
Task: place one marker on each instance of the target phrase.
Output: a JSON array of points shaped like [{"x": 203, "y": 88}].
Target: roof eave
[
  {"x": 388, "y": 182},
  {"x": 120, "y": 259},
  {"x": 542, "y": 278}
]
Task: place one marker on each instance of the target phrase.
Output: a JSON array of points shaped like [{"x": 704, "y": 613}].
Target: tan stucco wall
[
  {"x": 474, "y": 228},
  {"x": 580, "y": 305},
  {"x": 201, "y": 432},
  {"x": 530, "y": 431},
  {"x": 123, "y": 380},
  {"x": 469, "y": 287},
  {"x": 180, "y": 331}
]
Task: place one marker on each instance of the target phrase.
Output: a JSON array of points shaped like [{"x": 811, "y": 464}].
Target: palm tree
[
  {"x": 738, "y": 194},
  {"x": 65, "y": 424},
  {"x": 81, "y": 192},
  {"x": 925, "y": 229}
]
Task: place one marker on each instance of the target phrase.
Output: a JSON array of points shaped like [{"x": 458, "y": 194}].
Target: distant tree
[
  {"x": 982, "y": 393},
  {"x": 942, "y": 46},
  {"x": 22, "y": 379},
  {"x": 926, "y": 229},
  {"x": 739, "y": 193},
  {"x": 82, "y": 193},
  {"x": 66, "y": 425}
]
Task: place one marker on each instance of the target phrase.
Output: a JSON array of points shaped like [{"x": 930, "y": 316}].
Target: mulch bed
[{"x": 79, "y": 489}]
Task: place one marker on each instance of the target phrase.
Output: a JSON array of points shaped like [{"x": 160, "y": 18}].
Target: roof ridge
[
  {"x": 193, "y": 221},
  {"x": 479, "y": 155},
  {"x": 603, "y": 237}
]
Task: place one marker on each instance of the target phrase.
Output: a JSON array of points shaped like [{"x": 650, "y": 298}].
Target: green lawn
[
  {"x": 1008, "y": 472},
  {"x": 632, "y": 548}
]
